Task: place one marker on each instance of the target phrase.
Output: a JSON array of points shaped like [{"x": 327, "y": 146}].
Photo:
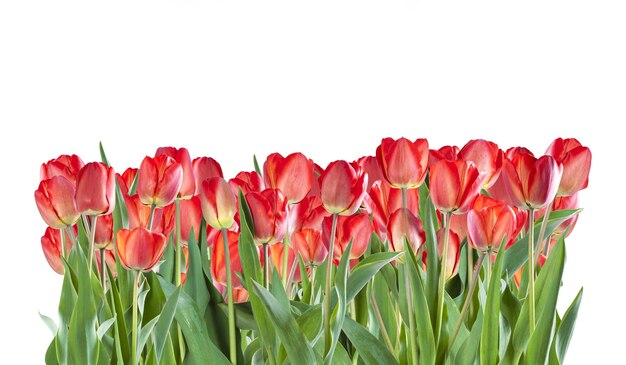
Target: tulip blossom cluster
[{"x": 180, "y": 222}]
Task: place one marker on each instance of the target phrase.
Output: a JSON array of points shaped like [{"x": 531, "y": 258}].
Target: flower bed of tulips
[{"x": 414, "y": 255}]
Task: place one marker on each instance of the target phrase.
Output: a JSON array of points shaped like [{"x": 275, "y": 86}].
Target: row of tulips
[{"x": 414, "y": 255}]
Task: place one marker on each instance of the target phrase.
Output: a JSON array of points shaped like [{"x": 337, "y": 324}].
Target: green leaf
[
  {"x": 428, "y": 215},
  {"x": 256, "y": 166},
  {"x": 195, "y": 284},
  {"x": 310, "y": 323},
  {"x": 49, "y": 323},
  {"x": 339, "y": 311},
  {"x": 51, "y": 353},
  {"x": 144, "y": 334},
  {"x": 104, "y": 327},
  {"x": 469, "y": 350},
  {"x": 161, "y": 330},
  {"x": 365, "y": 270},
  {"x": 370, "y": 349},
  {"x": 298, "y": 349},
  {"x": 66, "y": 307},
  {"x": 122, "y": 342},
  {"x": 566, "y": 328},
  {"x": 491, "y": 320}
]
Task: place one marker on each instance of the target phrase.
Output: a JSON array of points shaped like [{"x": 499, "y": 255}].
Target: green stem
[
  {"x": 541, "y": 244},
  {"x": 468, "y": 300},
  {"x": 151, "y": 217},
  {"x": 92, "y": 238},
  {"x": 103, "y": 271},
  {"x": 405, "y": 201},
  {"x": 531, "y": 269},
  {"x": 410, "y": 311},
  {"x": 63, "y": 242},
  {"x": 266, "y": 263},
  {"x": 381, "y": 324},
  {"x": 231, "y": 301},
  {"x": 285, "y": 259},
  {"x": 329, "y": 270},
  {"x": 442, "y": 275},
  {"x": 177, "y": 266},
  {"x": 488, "y": 269},
  {"x": 133, "y": 349},
  {"x": 312, "y": 286},
  {"x": 470, "y": 269}
]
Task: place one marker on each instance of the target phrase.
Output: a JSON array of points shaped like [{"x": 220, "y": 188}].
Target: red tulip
[
  {"x": 247, "y": 182},
  {"x": 449, "y": 153},
  {"x": 404, "y": 224},
  {"x": 205, "y": 168},
  {"x": 308, "y": 242},
  {"x": 51, "y": 245},
  {"x": 218, "y": 202},
  {"x": 126, "y": 179},
  {"x": 240, "y": 295},
  {"x": 453, "y": 185},
  {"x": 370, "y": 165},
  {"x": 64, "y": 165},
  {"x": 563, "y": 203},
  {"x": 513, "y": 152},
  {"x": 276, "y": 254},
  {"x": 487, "y": 157},
  {"x": 190, "y": 217},
  {"x": 140, "y": 249},
  {"x": 404, "y": 163},
  {"x": 269, "y": 214},
  {"x": 109, "y": 259},
  {"x": 383, "y": 200},
  {"x": 453, "y": 257},
  {"x": 309, "y": 213},
  {"x": 160, "y": 180},
  {"x": 342, "y": 188},
  {"x": 218, "y": 266},
  {"x": 95, "y": 189},
  {"x": 356, "y": 229},
  {"x": 458, "y": 223},
  {"x": 139, "y": 215},
  {"x": 56, "y": 203},
  {"x": 293, "y": 175},
  {"x": 518, "y": 275},
  {"x": 526, "y": 182},
  {"x": 181, "y": 155},
  {"x": 576, "y": 161},
  {"x": 488, "y": 226},
  {"x": 104, "y": 231}
]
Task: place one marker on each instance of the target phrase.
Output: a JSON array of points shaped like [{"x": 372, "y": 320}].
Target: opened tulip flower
[
  {"x": 449, "y": 153},
  {"x": 140, "y": 249},
  {"x": 488, "y": 226},
  {"x": 247, "y": 182},
  {"x": 191, "y": 217},
  {"x": 308, "y": 242},
  {"x": 53, "y": 250},
  {"x": 160, "y": 180},
  {"x": 269, "y": 214},
  {"x": 219, "y": 204},
  {"x": 277, "y": 255},
  {"x": 56, "y": 203},
  {"x": 140, "y": 215},
  {"x": 370, "y": 165},
  {"x": 454, "y": 185},
  {"x": 309, "y": 213},
  {"x": 292, "y": 175},
  {"x": 576, "y": 161},
  {"x": 95, "y": 189},
  {"x": 205, "y": 168},
  {"x": 356, "y": 229},
  {"x": 342, "y": 188},
  {"x": 486, "y": 156},
  {"x": 67, "y": 166},
  {"x": 126, "y": 180},
  {"x": 181, "y": 155},
  {"x": 404, "y": 225},
  {"x": 404, "y": 163}
]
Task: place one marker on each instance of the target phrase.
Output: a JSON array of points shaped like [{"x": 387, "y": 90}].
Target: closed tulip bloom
[
  {"x": 140, "y": 249},
  {"x": 126, "y": 179},
  {"x": 454, "y": 247},
  {"x": 160, "y": 179},
  {"x": 576, "y": 161},
  {"x": 56, "y": 203},
  {"x": 405, "y": 225},
  {"x": 51, "y": 245},
  {"x": 527, "y": 182},
  {"x": 190, "y": 217},
  {"x": 487, "y": 157},
  {"x": 181, "y": 155},
  {"x": 342, "y": 188},
  {"x": 95, "y": 189},
  {"x": 383, "y": 200},
  {"x": 109, "y": 258},
  {"x": 370, "y": 165},
  {"x": 454, "y": 184},
  {"x": 356, "y": 229},
  {"x": 404, "y": 163},
  {"x": 487, "y": 227},
  {"x": 64, "y": 165},
  {"x": 247, "y": 182},
  {"x": 309, "y": 213},
  {"x": 308, "y": 242},
  {"x": 449, "y": 153},
  {"x": 104, "y": 231},
  {"x": 292, "y": 175},
  {"x": 205, "y": 168},
  {"x": 139, "y": 216},
  {"x": 219, "y": 204},
  {"x": 563, "y": 203},
  {"x": 276, "y": 255},
  {"x": 218, "y": 265},
  {"x": 269, "y": 214}
]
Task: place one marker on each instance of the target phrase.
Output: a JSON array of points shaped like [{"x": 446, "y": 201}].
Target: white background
[{"x": 330, "y": 79}]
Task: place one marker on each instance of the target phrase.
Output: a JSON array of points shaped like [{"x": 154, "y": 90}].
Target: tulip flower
[
  {"x": 308, "y": 242},
  {"x": 404, "y": 163},
  {"x": 342, "y": 188},
  {"x": 370, "y": 165},
  {"x": 488, "y": 226},
  {"x": 356, "y": 229},
  {"x": 126, "y": 179},
  {"x": 247, "y": 182},
  {"x": 562, "y": 203},
  {"x": 64, "y": 165},
  {"x": 52, "y": 249},
  {"x": 160, "y": 180},
  {"x": 269, "y": 214},
  {"x": 576, "y": 161},
  {"x": 309, "y": 213},
  {"x": 218, "y": 265},
  {"x": 292, "y": 175},
  {"x": 453, "y": 185},
  {"x": 181, "y": 155},
  {"x": 383, "y": 200},
  {"x": 486, "y": 156},
  {"x": 139, "y": 216},
  {"x": 56, "y": 203},
  {"x": 453, "y": 257},
  {"x": 95, "y": 189},
  {"x": 277, "y": 255},
  {"x": 403, "y": 224},
  {"x": 205, "y": 168},
  {"x": 104, "y": 231},
  {"x": 109, "y": 259},
  {"x": 527, "y": 182},
  {"x": 218, "y": 202},
  {"x": 190, "y": 217},
  {"x": 449, "y": 153},
  {"x": 140, "y": 249}
]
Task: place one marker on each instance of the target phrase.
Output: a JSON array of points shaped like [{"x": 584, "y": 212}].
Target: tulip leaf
[
  {"x": 365, "y": 270},
  {"x": 144, "y": 334},
  {"x": 566, "y": 329},
  {"x": 49, "y": 323},
  {"x": 195, "y": 284},
  {"x": 428, "y": 216},
  {"x": 120, "y": 213},
  {"x": 469, "y": 349},
  {"x": 310, "y": 323},
  {"x": 256, "y": 165},
  {"x": 104, "y": 327},
  {"x": 298, "y": 349},
  {"x": 161, "y": 330},
  {"x": 491, "y": 320},
  {"x": 339, "y": 311},
  {"x": 370, "y": 349}
]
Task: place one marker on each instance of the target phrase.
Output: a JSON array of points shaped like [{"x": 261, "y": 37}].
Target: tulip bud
[
  {"x": 205, "y": 168},
  {"x": 95, "y": 189},
  {"x": 308, "y": 242},
  {"x": 404, "y": 225},
  {"x": 269, "y": 214},
  {"x": 56, "y": 203},
  {"x": 453, "y": 185},
  {"x": 160, "y": 180},
  {"x": 64, "y": 165},
  {"x": 51, "y": 245},
  {"x": 181, "y": 155},
  {"x": 404, "y": 163},
  {"x": 356, "y": 229},
  {"x": 488, "y": 226},
  {"x": 247, "y": 182},
  {"x": 576, "y": 161},
  {"x": 292, "y": 175},
  {"x": 104, "y": 231},
  {"x": 218, "y": 202},
  {"x": 342, "y": 188},
  {"x": 126, "y": 180},
  {"x": 140, "y": 249},
  {"x": 486, "y": 156}
]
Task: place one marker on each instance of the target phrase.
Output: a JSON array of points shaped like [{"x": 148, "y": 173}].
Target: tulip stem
[
  {"x": 103, "y": 277},
  {"x": 531, "y": 269},
  {"x": 442, "y": 275},
  {"x": 409, "y": 303},
  {"x": 177, "y": 266},
  {"x": 285, "y": 260},
  {"x": 381, "y": 324},
  {"x": 405, "y": 201},
  {"x": 92, "y": 239},
  {"x": 329, "y": 270},
  {"x": 231, "y": 301},
  {"x": 541, "y": 244},
  {"x": 151, "y": 217},
  {"x": 312, "y": 285},
  {"x": 266, "y": 264},
  {"x": 133, "y": 348},
  {"x": 470, "y": 269},
  {"x": 468, "y": 300},
  {"x": 63, "y": 243}
]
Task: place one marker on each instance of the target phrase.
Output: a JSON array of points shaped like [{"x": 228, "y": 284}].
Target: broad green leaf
[
  {"x": 298, "y": 348},
  {"x": 341, "y": 356},
  {"x": 49, "y": 323},
  {"x": 339, "y": 311},
  {"x": 122, "y": 341},
  {"x": 195, "y": 284},
  {"x": 370, "y": 349},
  {"x": 243, "y": 315},
  {"x": 143, "y": 335},
  {"x": 428, "y": 215},
  {"x": 310, "y": 323},
  {"x": 491, "y": 320},
  {"x": 161, "y": 330},
  {"x": 566, "y": 328},
  {"x": 104, "y": 327},
  {"x": 365, "y": 270},
  {"x": 51, "y": 353},
  {"x": 468, "y": 352},
  {"x": 256, "y": 166}
]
